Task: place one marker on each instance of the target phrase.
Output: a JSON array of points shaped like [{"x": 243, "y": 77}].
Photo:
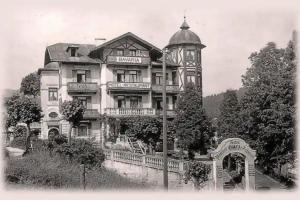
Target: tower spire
[{"x": 184, "y": 25}]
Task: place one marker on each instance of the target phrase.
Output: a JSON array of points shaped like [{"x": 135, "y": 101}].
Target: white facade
[{"x": 120, "y": 78}]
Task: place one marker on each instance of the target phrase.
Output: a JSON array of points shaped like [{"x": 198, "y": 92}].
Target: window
[
  {"x": 132, "y": 53},
  {"x": 53, "y": 94},
  {"x": 190, "y": 55},
  {"x": 120, "y": 52},
  {"x": 82, "y": 131},
  {"x": 157, "y": 78},
  {"x": 120, "y": 76},
  {"x": 121, "y": 101},
  {"x": 132, "y": 76},
  {"x": 135, "y": 102},
  {"x": 191, "y": 78},
  {"x": 86, "y": 101},
  {"x": 81, "y": 76},
  {"x": 73, "y": 52},
  {"x": 174, "y": 102},
  {"x": 174, "y": 77}
]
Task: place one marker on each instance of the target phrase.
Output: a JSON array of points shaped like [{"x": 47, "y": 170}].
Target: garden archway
[
  {"x": 52, "y": 132},
  {"x": 228, "y": 146}
]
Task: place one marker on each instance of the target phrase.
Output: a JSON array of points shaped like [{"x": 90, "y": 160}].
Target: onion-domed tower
[{"x": 185, "y": 50}]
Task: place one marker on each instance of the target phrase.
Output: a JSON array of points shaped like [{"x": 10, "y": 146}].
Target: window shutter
[
  {"x": 74, "y": 75},
  {"x": 88, "y": 76}
]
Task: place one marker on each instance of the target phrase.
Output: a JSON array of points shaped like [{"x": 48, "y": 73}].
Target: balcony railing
[
  {"x": 130, "y": 111},
  {"x": 82, "y": 87},
  {"x": 169, "y": 88},
  {"x": 128, "y": 86},
  {"x": 91, "y": 114},
  {"x": 128, "y": 60}
]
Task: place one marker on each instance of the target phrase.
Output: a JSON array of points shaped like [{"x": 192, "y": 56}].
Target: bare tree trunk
[{"x": 70, "y": 133}]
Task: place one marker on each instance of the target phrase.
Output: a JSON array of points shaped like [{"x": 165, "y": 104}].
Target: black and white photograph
[{"x": 191, "y": 97}]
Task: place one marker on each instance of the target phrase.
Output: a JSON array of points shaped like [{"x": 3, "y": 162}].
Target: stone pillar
[
  {"x": 249, "y": 174},
  {"x": 218, "y": 175}
]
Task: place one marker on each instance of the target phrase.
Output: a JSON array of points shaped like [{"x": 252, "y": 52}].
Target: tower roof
[{"x": 185, "y": 36}]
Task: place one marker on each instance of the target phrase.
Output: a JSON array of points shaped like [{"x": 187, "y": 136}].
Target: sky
[{"x": 231, "y": 30}]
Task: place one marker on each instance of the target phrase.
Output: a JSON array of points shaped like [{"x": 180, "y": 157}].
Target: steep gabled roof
[
  {"x": 139, "y": 40},
  {"x": 58, "y": 52}
]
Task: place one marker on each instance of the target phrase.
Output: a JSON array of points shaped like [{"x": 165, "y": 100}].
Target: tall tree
[
  {"x": 268, "y": 107},
  {"x": 73, "y": 113},
  {"x": 228, "y": 120},
  {"x": 30, "y": 84},
  {"x": 23, "y": 109},
  {"x": 193, "y": 128}
]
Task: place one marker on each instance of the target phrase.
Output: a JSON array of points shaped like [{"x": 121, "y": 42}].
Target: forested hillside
[{"x": 211, "y": 103}]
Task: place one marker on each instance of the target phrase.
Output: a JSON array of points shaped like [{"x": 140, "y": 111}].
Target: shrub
[
  {"x": 81, "y": 151},
  {"x": 18, "y": 142},
  {"x": 19, "y": 131},
  {"x": 198, "y": 172}
]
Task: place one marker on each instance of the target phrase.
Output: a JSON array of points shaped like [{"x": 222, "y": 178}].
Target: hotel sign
[
  {"x": 123, "y": 59},
  {"x": 128, "y": 60}
]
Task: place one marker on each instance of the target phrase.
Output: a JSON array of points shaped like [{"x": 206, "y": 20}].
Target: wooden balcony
[
  {"x": 130, "y": 111},
  {"x": 169, "y": 88},
  {"x": 138, "y": 86},
  {"x": 128, "y": 60},
  {"x": 91, "y": 114},
  {"x": 86, "y": 87}
]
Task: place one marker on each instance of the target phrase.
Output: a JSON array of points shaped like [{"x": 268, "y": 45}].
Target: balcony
[
  {"x": 139, "y": 86},
  {"x": 128, "y": 60},
  {"x": 91, "y": 114},
  {"x": 130, "y": 111},
  {"x": 82, "y": 87},
  {"x": 169, "y": 88}
]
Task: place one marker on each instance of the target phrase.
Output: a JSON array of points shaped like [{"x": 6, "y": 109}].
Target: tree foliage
[
  {"x": 268, "y": 107},
  {"x": 30, "y": 84},
  {"x": 146, "y": 129},
  {"x": 197, "y": 171},
  {"x": 193, "y": 128},
  {"x": 23, "y": 109},
  {"x": 228, "y": 121},
  {"x": 72, "y": 112}
]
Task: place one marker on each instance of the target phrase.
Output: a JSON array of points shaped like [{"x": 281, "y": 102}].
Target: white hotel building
[{"x": 121, "y": 77}]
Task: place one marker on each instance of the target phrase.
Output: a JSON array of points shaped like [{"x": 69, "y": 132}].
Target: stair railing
[
  {"x": 143, "y": 149},
  {"x": 130, "y": 144}
]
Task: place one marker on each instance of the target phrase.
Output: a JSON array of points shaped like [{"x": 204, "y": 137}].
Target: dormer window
[{"x": 72, "y": 50}]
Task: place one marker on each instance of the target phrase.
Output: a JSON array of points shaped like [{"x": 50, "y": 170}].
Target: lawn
[{"x": 40, "y": 170}]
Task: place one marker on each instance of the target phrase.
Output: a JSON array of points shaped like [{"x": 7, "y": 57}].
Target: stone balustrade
[{"x": 144, "y": 160}]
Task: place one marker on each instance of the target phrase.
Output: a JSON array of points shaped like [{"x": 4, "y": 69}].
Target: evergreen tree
[
  {"x": 228, "y": 120},
  {"x": 193, "y": 128}
]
